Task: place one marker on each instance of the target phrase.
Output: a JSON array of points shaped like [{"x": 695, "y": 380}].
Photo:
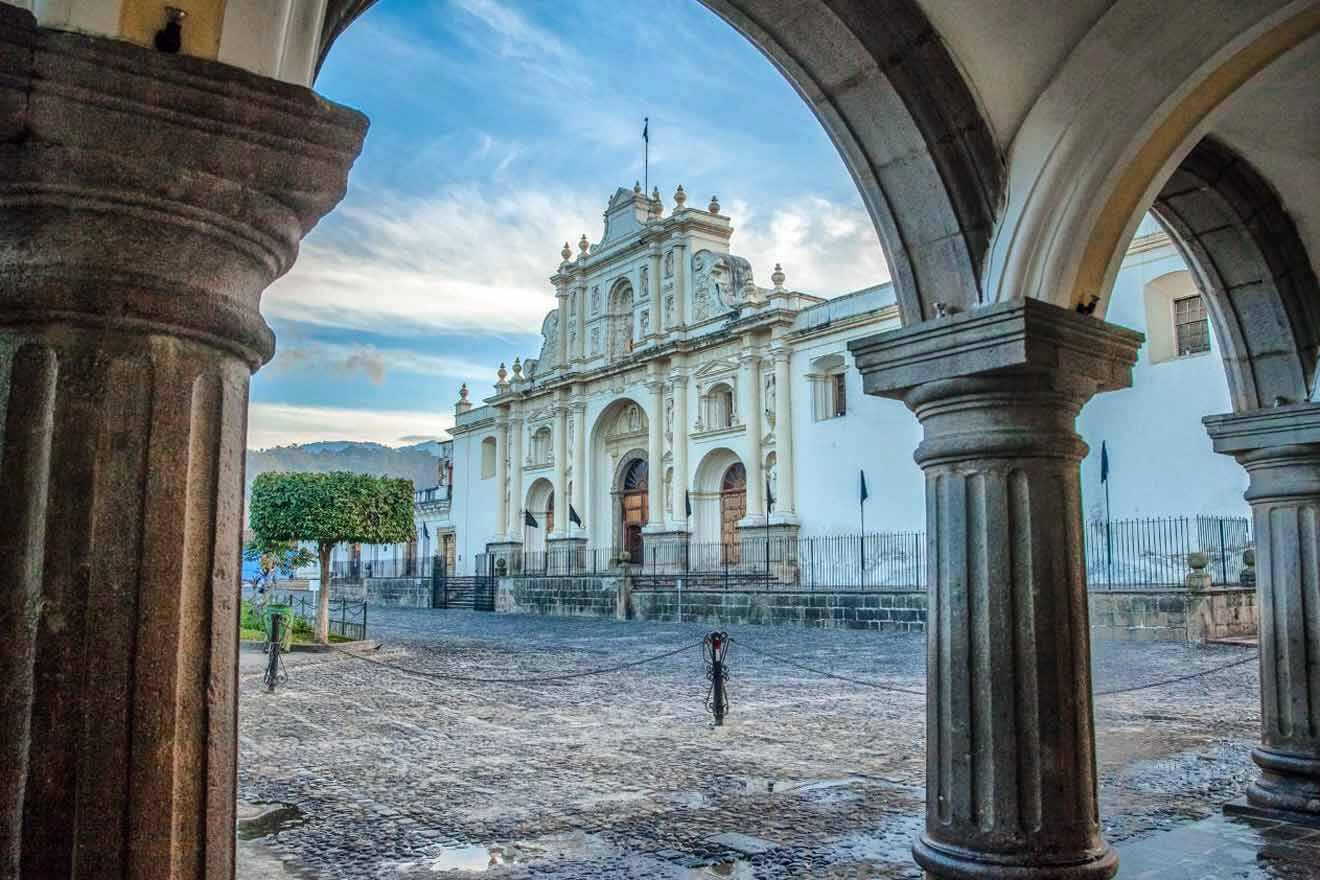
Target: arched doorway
[
  {"x": 733, "y": 507},
  {"x": 633, "y": 508},
  {"x": 539, "y": 509}
]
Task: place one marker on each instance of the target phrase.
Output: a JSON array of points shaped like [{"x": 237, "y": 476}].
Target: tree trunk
[{"x": 323, "y": 599}]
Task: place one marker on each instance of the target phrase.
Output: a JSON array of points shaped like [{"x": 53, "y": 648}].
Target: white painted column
[
  {"x": 501, "y": 476},
  {"x": 561, "y": 469},
  {"x": 785, "y": 506},
  {"x": 580, "y": 317},
  {"x": 655, "y": 480},
  {"x": 653, "y": 291},
  {"x": 580, "y": 465},
  {"x": 515, "y": 521},
  {"x": 680, "y": 285},
  {"x": 561, "y": 294},
  {"x": 679, "y": 382},
  {"x": 750, "y": 415}
]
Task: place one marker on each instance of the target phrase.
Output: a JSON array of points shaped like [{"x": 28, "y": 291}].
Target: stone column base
[
  {"x": 567, "y": 556},
  {"x": 664, "y": 551},
  {"x": 503, "y": 558},
  {"x": 771, "y": 550}
]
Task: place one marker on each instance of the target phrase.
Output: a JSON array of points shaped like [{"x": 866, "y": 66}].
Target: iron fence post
[{"x": 1223, "y": 553}]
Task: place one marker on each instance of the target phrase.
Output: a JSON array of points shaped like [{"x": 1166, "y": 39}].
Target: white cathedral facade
[{"x": 676, "y": 401}]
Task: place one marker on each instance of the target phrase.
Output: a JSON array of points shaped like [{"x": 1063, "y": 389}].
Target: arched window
[
  {"x": 488, "y": 458},
  {"x": 829, "y": 380},
  {"x": 719, "y": 407},
  {"x": 542, "y": 446}
]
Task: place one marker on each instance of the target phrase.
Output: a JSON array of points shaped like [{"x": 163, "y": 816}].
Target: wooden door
[
  {"x": 733, "y": 507},
  {"x": 636, "y": 511}
]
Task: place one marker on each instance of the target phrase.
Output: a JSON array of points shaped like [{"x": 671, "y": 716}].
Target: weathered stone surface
[
  {"x": 146, "y": 201},
  {"x": 1011, "y": 784},
  {"x": 1280, "y": 449}
]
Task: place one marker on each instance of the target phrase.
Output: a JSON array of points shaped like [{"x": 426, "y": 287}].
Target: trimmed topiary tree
[{"x": 330, "y": 509}]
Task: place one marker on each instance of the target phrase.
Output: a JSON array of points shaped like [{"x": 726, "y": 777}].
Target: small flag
[
  {"x": 865, "y": 494},
  {"x": 687, "y": 503},
  {"x": 769, "y": 494},
  {"x": 1104, "y": 462},
  {"x": 573, "y": 517},
  {"x": 529, "y": 520},
  {"x": 426, "y": 533},
  {"x": 646, "y": 129}
]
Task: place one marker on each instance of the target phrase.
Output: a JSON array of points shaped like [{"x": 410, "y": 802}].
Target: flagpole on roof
[{"x": 646, "y": 153}]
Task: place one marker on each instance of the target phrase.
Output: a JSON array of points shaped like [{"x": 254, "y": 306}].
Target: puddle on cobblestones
[
  {"x": 281, "y": 817},
  {"x": 736, "y": 870},
  {"x": 473, "y": 858}
]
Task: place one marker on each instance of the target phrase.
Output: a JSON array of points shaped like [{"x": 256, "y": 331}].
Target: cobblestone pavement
[{"x": 386, "y": 774}]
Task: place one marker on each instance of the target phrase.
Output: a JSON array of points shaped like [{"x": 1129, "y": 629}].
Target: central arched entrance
[
  {"x": 733, "y": 507},
  {"x": 633, "y": 508}
]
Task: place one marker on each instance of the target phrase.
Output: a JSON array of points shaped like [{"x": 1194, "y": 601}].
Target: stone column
[
  {"x": 580, "y": 316},
  {"x": 678, "y": 380},
  {"x": 653, "y": 291},
  {"x": 1280, "y": 449},
  {"x": 516, "y": 499},
  {"x": 502, "y": 477},
  {"x": 680, "y": 285},
  {"x": 146, "y": 201},
  {"x": 749, "y": 406},
  {"x": 785, "y": 505},
  {"x": 561, "y": 469},
  {"x": 655, "y": 454},
  {"x": 580, "y": 464},
  {"x": 561, "y": 295},
  {"x": 1010, "y": 754}
]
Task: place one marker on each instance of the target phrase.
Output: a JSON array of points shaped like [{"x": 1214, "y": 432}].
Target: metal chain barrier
[
  {"x": 714, "y": 648},
  {"x": 525, "y": 680},
  {"x": 883, "y": 687}
]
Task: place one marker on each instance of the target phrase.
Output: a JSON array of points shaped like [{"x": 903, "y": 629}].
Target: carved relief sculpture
[
  {"x": 669, "y": 265},
  {"x": 595, "y": 300},
  {"x": 595, "y": 341},
  {"x": 645, "y": 321},
  {"x": 645, "y": 282}
]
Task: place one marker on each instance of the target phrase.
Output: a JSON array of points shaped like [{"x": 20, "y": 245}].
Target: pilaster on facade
[
  {"x": 655, "y": 386},
  {"x": 1011, "y": 780},
  {"x": 1280, "y": 450},
  {"x": 501, "y": 533},
  {"x": 678, "y": 384},
  {"x": 749, "y": 386},
  {"x": 781, "y": 409},
  {"x": 561, "y": 412},
  {"x": 514, "y": 525},
  {"x": 580, "y": 465}
]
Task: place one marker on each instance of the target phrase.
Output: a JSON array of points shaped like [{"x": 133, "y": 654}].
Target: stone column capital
[
  {"x": 175, "y": 189},
  {"x": 678, "y": 378},
  {"x": 1278, "y": 447}
]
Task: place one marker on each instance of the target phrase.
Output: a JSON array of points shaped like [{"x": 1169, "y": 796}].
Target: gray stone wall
[
  {"x": 1173, "y": 615},
  {"x": 894, "y": 612},
  {"x": 390, "y": 592},
  {"x": 565, "y": 596}
]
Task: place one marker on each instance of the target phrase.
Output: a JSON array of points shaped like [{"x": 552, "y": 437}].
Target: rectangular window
[
  {"x": 1191, "y": 326},
  {"x": 840, "y": 381}
]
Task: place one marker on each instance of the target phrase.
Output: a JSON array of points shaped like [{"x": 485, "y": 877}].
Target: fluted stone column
[
  {"x": 750, "y": 415},
  {"x": 678, "y": 380},
  {"x": 561, "y": 469},
  {"x": 561, "y": 300},
  {"x": 1010, "y": 773},
  {"x": 146, "y": 201},
  {"x": 580, "y": 464},
  {"x": 515, "y": 520},
  {"x": 785, "y": 504},
  {"x": 1280, "y": 449},
  {"x": 680, "y": 285},
  {"x": 655, "y": 453},
  {"x": 502, "y": 478},
  {"x": 653, "y": 291}
]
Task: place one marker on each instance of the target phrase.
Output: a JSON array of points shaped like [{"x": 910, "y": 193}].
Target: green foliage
[
  {"x": 285, "y": 557},
  {"x": 331, "y": 508}
]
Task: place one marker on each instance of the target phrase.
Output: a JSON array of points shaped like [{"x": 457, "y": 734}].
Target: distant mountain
[{"x": 418, "y": 462}]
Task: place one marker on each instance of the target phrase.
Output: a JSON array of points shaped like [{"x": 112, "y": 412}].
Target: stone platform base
[{"x": 1243, "y": 807}]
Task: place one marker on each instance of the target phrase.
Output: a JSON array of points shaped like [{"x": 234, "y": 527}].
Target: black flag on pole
[
  {"x": 529, "y": 520},
  {"x": 646, "y": 129},
  {"x": 769, "y": 495},
  {"x": 687, "y": 503},
  {"x": 864, "y": 493},
  {"x": 573, "y": 516},
  {"x": 1104, "y": 462}
]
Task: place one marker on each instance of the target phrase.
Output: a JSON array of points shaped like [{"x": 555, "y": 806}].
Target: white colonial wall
[{"x": 1160, "y": 460}]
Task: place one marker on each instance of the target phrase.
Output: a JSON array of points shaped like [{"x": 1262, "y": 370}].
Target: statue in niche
[
  {"x": 669, "y": 265},
  {"x": 572, "y": 341},
  {"x": 769, "y": 397},
  {"x": 669, "y": 310},
  {"x": 572, "y": 303},
  {"x": 595, "y": 341},
  {"x": 645, "y": 283},
  {"x": 669, "y": 419},
  {"x": 645, "y": 322},
  {"x": 669, "y": 492},
  {"x": 595, "y": 300}
]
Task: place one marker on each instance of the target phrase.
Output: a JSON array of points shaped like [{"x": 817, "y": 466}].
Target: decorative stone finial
[
  {"x": 503, "y": 374},
  {"x": 680, "y": 198},
  {"x": 714, "y": 206},
  {"x": 637, "y": 187},
  {"x": 463, "y": 393},
  {"x": 517, "y": 369},
  {"x": 583, "y": 245},
  {"x": 778, "y": 277},
  {"x": 566, "y": 252},
  {"x": 655, "y": 195}
]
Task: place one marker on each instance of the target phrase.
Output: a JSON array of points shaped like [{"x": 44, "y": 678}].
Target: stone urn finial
[
  {"x": 680, "y": 198},
  {"x": 503, "y": 375},
  {"x": 714, "y": 206},
  {"x": 517, "y": 369},
  {"x": 463, "y": 392},
  {"x": 1248, "y": 577},
  {"x": 778, "y": 277},
  {"x": 583, "y": 245},
  {"x": 1198, "y": 578},
  {"x": 637, "y": 187},
  {"x": 566, "y": 252}
]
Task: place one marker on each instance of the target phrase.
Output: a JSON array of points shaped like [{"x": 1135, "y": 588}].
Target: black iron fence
[
  {"x": 1120, "y": 554},
  {"x": 347, "y": 617},
  {"x": 1158, "y": 552},
  {"x": 390, "y": 567}
]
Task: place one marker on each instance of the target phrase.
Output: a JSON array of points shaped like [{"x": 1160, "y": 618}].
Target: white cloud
[
  {"x": 278, "y": 424},
  {"x": 372, "y": 361}
]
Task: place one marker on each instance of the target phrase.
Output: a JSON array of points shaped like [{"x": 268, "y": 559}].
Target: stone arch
[
  {"x": 618, "y": 434},
  {"x": 540, "y": 500},
  {"x": 707, "y": 482},
  {"x": 887, "y": 90},
  {"x": 631, "y": 502},
  {"x": 1112, "y": 126},
  {"x": 1252, "y": 268}
]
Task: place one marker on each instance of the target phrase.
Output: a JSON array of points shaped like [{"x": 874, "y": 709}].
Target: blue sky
[{"x": 499, "y": 128}]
